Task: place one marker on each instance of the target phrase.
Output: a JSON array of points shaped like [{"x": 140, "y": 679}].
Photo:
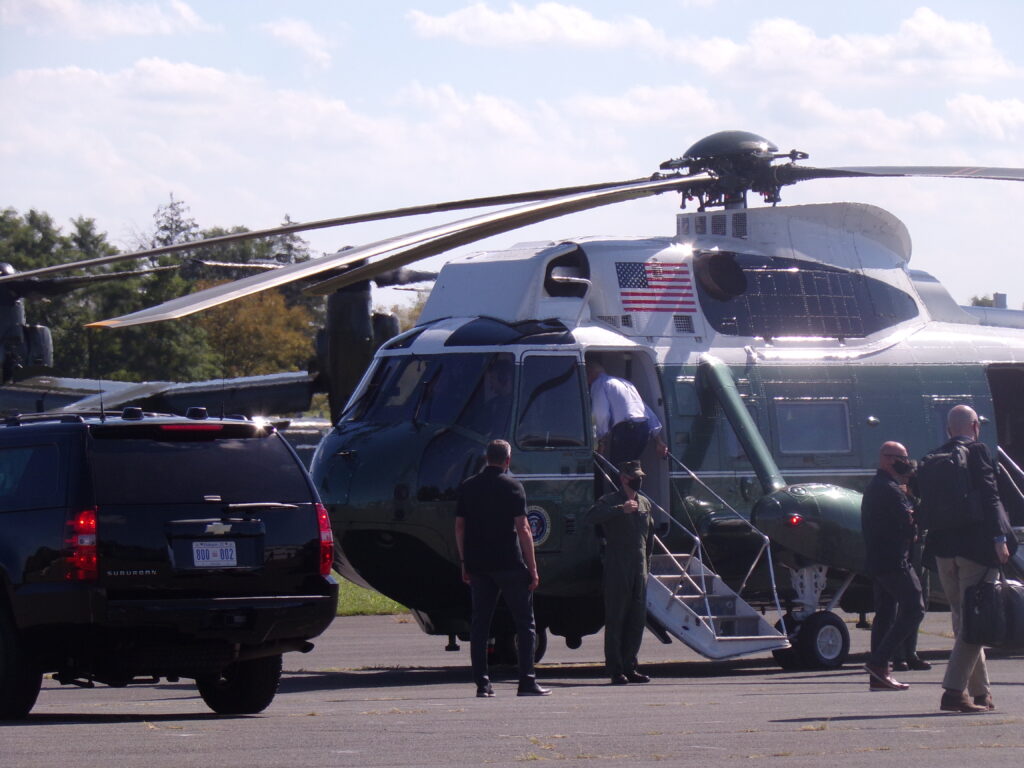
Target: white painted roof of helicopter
[{"x": 509, "y": 285}]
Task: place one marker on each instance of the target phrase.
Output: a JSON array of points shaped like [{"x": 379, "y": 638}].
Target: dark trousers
[
  {"x": 899, "y": 609},
  {"x": 484, "y": 589},
  {"x": 625, "y": 614},
  {"x": 627, "y": 441}
]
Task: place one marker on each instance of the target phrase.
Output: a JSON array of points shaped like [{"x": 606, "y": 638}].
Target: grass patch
[{"x": 353, "y": 600}]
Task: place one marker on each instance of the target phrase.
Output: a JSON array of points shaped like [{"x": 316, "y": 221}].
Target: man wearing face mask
[
  {"x": 889, "y": 531},
  {"x": 625, "y": 518}
]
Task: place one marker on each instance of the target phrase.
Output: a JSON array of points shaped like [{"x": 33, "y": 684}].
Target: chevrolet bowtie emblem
[{"x": 218, "y": 529}]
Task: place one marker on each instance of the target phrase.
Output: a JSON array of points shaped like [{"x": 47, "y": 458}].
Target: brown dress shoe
[
  {"x": 881, "y": 680},
  {"x": 958, "y": 701},
  {"x": 984, "y": 701}
]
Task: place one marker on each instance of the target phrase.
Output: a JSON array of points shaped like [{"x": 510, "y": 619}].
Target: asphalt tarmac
[{"x": 377, "y": 692}]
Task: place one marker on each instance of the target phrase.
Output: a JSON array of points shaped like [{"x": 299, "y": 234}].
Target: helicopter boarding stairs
[{"x": 689, "y": 601}]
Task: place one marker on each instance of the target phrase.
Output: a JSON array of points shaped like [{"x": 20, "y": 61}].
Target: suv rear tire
[
  {"x": 20, "y": 679},
  {"x": 243, "y": 688}
]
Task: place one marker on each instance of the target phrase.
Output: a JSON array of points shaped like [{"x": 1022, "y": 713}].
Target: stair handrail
[
  {"x": 610, "y": 473},
  {"x": 765, "y": 549},
  {"x": 684, "y": 575}
]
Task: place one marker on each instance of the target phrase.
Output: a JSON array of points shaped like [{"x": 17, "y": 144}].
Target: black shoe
[
  {"x": 532, "y": 689},
  {"x": 918, "y": 664},
  {"x": 484, "y": 691},
  {"x": 636, "y": 676},
  {"x": 901, "y": 666},
  {"x": 620, "y": 680}
]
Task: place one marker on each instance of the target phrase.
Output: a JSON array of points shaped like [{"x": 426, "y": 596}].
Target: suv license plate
[{"x": 214, "y": 554}]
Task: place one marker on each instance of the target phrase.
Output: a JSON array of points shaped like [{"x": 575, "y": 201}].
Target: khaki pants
[{"x": 966, "y": 669}]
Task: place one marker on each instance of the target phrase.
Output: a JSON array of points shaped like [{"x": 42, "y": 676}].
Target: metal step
[{"x": 694, "y": 605}]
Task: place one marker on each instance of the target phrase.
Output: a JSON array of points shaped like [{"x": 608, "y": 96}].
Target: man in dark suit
[
  {"x": 495, "y": 546},
  {"x": 965, "y": 555},
  {"x": 887, "y": 520}
]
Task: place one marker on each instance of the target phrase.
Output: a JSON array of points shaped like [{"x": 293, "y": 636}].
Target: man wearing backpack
[{"x": 967, "y": 550}]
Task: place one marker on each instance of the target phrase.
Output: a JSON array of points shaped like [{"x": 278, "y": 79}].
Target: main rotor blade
[
  {"x": 429, "y": 241},
  {"x": 790, "y": 174},
  {"x": 394, "y": 213}
]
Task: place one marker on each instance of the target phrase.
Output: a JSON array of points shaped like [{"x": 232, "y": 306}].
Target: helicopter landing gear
[
  {"x": 505, "y": 650},
  {"x": 818, "y": 639}
]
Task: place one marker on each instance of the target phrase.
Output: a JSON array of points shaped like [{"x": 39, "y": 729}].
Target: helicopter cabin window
[
  {"x": 813, "y": 426},
  {"x": 550, "y": 403},
  {"x": 771, "y": 297}
]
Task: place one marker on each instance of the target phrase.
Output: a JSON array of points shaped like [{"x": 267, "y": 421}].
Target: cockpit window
[
  {"x": 427, "y": 389},
  {"x": 764, "y": 296},
  {"x": 550, "y": 403},
  {"x": 489, "y": 407}
]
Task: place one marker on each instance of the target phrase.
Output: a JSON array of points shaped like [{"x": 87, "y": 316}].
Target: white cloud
[
  {"x": 646, "y": 105},
  {"x": 301, "y": 35},
  {"x": 549, "y": 22},
  {"x": 103, "y": 18},
  {"x": 1001, "y": 119},
  {"x": 925, "y": 45}
]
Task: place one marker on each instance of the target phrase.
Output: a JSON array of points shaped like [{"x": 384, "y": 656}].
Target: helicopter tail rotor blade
[{"x": 422, "y": 243}]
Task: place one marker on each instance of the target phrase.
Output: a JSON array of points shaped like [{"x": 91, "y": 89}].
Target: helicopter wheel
[
  {"x": 823, "y": 641},
  {"x": 788, "y": 658},
  {"x": 506, "y": 648}
]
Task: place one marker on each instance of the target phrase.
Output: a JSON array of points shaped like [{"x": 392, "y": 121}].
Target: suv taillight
[
  {"x": 82, "y": 561},
  {"x": 326, "y": 540}
]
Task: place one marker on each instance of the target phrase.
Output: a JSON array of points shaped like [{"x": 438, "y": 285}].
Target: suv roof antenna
[
  {"x": 99, "y": 377},
  {"x": 103, "y": 413}
]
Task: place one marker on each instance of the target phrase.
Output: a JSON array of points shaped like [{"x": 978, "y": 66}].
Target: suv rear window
[
  {"x": 30, "y": 477},
  {"x": 184, "y": 463}
]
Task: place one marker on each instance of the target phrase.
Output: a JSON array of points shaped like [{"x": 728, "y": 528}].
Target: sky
[{"x": 251, "y": 111}]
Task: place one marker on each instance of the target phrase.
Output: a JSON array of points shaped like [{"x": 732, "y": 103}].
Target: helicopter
[
  {"x": 779, "y": 345},
  {"x": 27, "y": 381}
]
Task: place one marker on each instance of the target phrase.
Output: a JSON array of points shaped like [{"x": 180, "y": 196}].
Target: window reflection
[
  {"x": 813, "y": 426},
  {"x": 747, "y": 295},
  {"x": 425, "y": 389},
  {"x": 488, "y": 410}
]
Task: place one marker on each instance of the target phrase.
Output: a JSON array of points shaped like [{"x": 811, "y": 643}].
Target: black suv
[{"x": 159, "y": 547}]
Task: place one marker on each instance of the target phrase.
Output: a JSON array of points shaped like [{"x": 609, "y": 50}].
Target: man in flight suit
[{"x": 625, "y": 518}]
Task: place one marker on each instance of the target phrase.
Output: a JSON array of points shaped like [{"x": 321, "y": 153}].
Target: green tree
[
  {"x": 259, "y": 334},
  {"x": 982, "y": 301}
]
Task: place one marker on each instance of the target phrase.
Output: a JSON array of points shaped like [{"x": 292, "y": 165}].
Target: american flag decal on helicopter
[{"x": 655, "y": 287}]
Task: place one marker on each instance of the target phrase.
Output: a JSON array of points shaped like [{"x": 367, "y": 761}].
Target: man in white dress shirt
[{"x": 624, "y": 422}]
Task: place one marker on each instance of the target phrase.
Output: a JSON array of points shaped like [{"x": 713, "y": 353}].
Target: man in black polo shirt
[{"x": 496, "y": 552}]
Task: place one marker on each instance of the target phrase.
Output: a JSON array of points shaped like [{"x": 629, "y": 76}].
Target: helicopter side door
[{"x": 551, "y": 456}]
